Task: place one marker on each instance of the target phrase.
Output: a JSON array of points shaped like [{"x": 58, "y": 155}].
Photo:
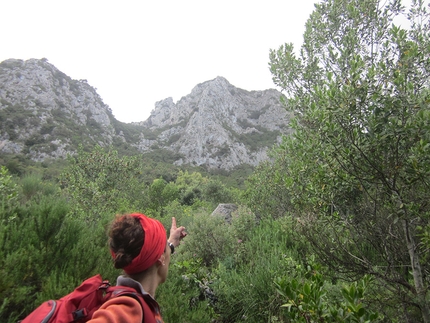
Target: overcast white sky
[{"x": 138, "y": 52}]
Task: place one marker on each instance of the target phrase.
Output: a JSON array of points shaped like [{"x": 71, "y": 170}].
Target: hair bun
[{"x": 122, "y": 259}]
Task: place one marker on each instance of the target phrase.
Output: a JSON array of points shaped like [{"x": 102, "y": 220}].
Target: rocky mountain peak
[
  {"x": 46, "y": 114},
  {"x": 218, "y": 125},
  {"x": 42, "y": 107},
  {"x": 218, "y": 84}
]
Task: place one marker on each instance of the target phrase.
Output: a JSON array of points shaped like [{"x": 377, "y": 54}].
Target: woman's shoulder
[{"x": 118, "y": 310}]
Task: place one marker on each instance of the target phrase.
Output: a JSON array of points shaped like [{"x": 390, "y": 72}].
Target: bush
[
  {"x": 247, "y": 292},
  {"x": 45, "y": 254},
  {"x": 209, "y": 240},
  {"x": 33, "y": 185},
  {"x": 181, "y": 298}
]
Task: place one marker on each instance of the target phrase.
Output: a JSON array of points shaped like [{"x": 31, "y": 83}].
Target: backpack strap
[{"x": 150, "y": 308}]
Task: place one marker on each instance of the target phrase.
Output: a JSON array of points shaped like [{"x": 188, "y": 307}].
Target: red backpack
[{"x": 80, "y": 305}]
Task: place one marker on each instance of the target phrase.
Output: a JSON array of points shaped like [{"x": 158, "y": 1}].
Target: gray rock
[
  {"x": 218, "y": 125},
  {"x": 43, "y": 100},
  {"x": 225, "y": 211},
  {"x": 46, "y": 114}
]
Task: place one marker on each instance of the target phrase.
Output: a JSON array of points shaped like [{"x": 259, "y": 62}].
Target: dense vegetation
[
  {"x": 335, "y": 228},
  {"x": 54, "y": 235}
]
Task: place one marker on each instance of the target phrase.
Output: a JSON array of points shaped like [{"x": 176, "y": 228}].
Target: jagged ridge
[
  {"x": 46, "y": 114},
  {"x": 218, "y": 125}
]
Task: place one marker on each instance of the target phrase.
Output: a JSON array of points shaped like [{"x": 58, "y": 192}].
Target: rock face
[
  {"x": 218, "y": 125},
  {"x": 225, "y": 211},
  {"x": 41, "y": 106},
  {"x": 45, "y": 114}
]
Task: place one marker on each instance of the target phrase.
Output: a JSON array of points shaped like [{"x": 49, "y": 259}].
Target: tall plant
[
  {"x": 100, "y": 182},
  {"x": 358, "y": 164},
  {"x": 44, "y": 253}
]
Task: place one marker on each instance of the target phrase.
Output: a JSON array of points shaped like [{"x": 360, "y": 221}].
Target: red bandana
[{"x": 153, "y": 246}]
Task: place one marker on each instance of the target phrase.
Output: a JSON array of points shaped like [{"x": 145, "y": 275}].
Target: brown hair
[{"x": 126, "y": 238}]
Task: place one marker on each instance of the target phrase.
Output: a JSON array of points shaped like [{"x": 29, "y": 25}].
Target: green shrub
[
  {"x": 209, "y": 239},
  {"x": 33, "y": 185},
  {"x": 9, "y": 190},
  {"x": 44, "y": 253},
  {"x": 247, "y": 292},
  {"x": 39, "y": 245},
  {"x": 102, "y": 183},
  {"x": 181, "y": 298},
  {"x": 47, "y": 128},
  {"x": 311, "y": 296}
]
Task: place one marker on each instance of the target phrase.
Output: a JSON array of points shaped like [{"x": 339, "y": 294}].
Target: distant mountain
[
  {"x": 217, "y": 125},
  {"x": 45, "y": 114}
]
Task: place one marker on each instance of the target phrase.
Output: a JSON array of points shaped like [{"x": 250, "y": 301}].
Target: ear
[{"x": 162, "y": 260}]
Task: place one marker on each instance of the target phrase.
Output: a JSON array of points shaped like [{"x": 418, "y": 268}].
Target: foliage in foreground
[
  {"x": 44, "y": 253},
  {"x": 357, "y": 169},
  {"x": 261, "y": 275},
  {"x": 222, "y": 272}
]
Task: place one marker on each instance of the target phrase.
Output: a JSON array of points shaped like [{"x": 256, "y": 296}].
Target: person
[{"x": 140, "y": 247}]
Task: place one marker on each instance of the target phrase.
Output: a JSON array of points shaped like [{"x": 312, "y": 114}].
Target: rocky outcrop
[
  {"x": 46, "y": 114},
  {"x": 225, "y": 211},
  {"x": 42, "y": 110},
  {"x": 218, "y": 125}
]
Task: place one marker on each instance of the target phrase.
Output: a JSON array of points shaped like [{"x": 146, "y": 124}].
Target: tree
[
  {"x": 265, "y": 193},
  {"x": 160, "y": 193},
  {"x": 190, "y": 186},
  {"x": 358, "y": 164},
  {"x": 100, "y": 182}
]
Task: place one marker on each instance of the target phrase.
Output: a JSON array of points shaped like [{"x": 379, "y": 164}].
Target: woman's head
[{"x": 136, "y": 242}]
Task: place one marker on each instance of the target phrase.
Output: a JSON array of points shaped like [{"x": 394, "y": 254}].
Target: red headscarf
[{"x": 153, "y": 246}]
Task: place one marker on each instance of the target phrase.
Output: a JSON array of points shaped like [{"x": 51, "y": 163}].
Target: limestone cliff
[
  {"x": 218, "y": 125},
  {"x": 46, "y": 114}
]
